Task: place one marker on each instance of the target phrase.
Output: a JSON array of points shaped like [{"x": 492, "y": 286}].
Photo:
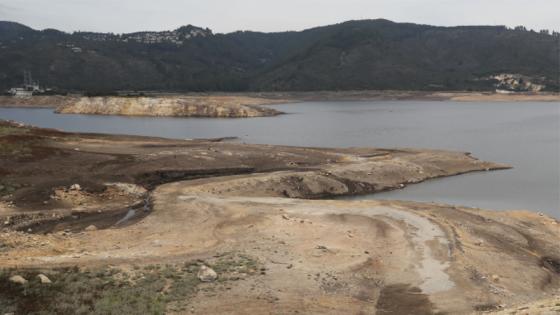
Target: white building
[{"x": 21, "y": 92}]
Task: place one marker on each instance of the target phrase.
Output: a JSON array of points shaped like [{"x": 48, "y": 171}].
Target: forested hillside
[{"x": 367, "y": 54}]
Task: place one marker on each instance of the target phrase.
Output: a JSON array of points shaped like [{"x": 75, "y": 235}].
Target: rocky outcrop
[
  {"x": 180, "y": 106},
  {"x": 18, "y": 279},
  {"x": 206, "y": 274},
  {"x": 44, "y": 279}
]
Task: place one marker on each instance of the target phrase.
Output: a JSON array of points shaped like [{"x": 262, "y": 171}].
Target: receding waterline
[{"x": 523, "y": 134}]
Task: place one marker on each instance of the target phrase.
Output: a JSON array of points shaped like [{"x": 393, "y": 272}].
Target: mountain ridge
[{"x": 352, "y": 55}]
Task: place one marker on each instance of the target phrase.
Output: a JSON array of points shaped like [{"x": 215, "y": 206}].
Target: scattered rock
[
  {"x": 495, "y": 278},
  {"x": 207, "y": 274},
  {"x": 91, "y": 228},
  {"x": 44, "y": 279},
  {"x": 76, "y": 187},
  {"x": 18, "y": 279},
  {"x": 285, "y": 217}
]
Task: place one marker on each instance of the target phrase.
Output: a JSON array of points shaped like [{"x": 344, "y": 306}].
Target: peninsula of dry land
[{"x": 92, "y": 223}]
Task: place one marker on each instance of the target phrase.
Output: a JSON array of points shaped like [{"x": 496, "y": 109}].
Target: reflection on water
[{"x": 525, "y": 135}]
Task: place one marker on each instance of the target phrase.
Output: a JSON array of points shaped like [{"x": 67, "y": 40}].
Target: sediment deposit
[{"x": 165, "y": 210}]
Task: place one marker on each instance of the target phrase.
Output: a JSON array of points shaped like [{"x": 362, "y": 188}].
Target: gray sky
[{"x": 222, "y": 16}]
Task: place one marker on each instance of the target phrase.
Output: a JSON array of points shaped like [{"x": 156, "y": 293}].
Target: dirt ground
[{"x": 95, "y": 201}]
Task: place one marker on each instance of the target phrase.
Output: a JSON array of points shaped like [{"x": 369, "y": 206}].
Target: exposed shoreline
[
  {"x": 243, "y": 105},
  {"x": 206, "y": 199}
]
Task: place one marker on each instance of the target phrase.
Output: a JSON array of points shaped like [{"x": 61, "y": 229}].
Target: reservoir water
[{"x": 525, "y": 135}]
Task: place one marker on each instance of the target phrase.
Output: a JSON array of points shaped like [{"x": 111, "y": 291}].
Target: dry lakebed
[{"x": 89, "y": 222}]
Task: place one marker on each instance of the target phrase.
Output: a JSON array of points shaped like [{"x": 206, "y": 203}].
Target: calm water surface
[{"x": 525, "y": 135}]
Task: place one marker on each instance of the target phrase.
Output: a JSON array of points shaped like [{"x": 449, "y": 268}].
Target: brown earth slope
[{"x": 207, "y": 201}]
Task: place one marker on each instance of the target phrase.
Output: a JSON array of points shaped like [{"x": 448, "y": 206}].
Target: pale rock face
[{"x": 170, "y": 106}]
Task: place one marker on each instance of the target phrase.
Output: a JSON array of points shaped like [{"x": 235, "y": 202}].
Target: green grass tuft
[{"x": 143, "y": 290}]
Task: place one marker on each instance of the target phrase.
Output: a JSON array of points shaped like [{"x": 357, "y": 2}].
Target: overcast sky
[{"x": 223, "y": 16}]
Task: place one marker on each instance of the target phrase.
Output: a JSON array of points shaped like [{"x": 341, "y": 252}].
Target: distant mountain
[
  {"x": 366, "y": 54},
  {"x": 9, "y": 30}
]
